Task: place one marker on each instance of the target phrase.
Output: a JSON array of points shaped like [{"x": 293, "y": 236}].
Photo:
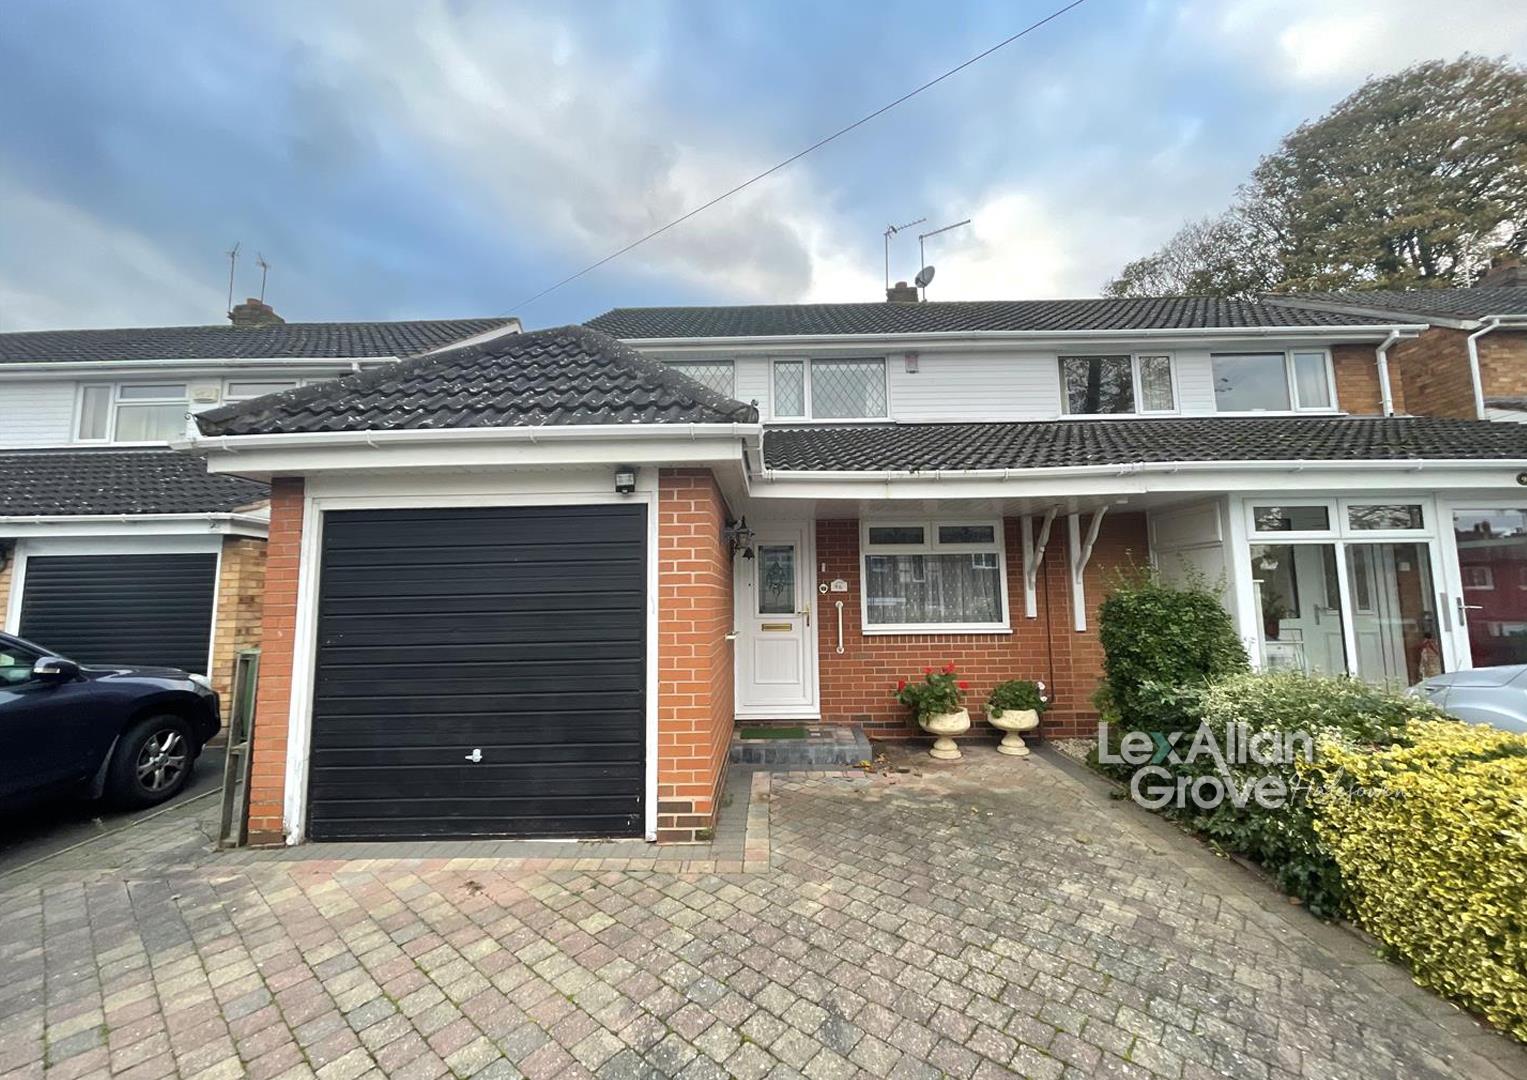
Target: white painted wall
[{"x": 36, "y": 413}]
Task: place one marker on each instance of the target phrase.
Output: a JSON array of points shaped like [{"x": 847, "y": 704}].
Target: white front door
[{"x": 776, "y": 641}]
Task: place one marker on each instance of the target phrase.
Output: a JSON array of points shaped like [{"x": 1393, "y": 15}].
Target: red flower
[
  {"x": 901, "y": 684},
  {"x": 949, "y": 668},
  {"x": 963, "y": 685},
  {"x": 927, "y": 671}
]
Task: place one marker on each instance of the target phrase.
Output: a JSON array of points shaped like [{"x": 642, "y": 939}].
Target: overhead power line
[{"x": 639, "y": 241}]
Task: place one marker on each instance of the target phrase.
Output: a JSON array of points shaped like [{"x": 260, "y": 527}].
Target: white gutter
[
  {"x": 442, "y": 436},
  {"x": 964, "y": 337},
  {"x": 1133, "y": 469},
  {"x": 134, "y": 519},
  {"x": 208, "y": 364},
  {"x": 1491, "y": 322}
]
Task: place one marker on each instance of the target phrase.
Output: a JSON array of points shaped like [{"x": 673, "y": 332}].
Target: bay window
[
  {"x": 1108, "y": 385},
  {"x": 852, "y": 389},
  {"x": 132, "y": 413},
  {"x": 1297, "y": 381},
  {"x": 934, "y": 576}
]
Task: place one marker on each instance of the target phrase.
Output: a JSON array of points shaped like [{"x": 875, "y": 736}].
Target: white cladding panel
[
  {"x": 36, "y": 413},
  {"x": 975, "y": 386},
  {"x": 751, "y": 380},
  {"x": 1195, "y": 381},
  {"x": 1188, "y": 542}
]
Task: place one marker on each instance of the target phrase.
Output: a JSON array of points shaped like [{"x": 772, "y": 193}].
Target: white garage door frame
[{"x": 381, "y": 492}]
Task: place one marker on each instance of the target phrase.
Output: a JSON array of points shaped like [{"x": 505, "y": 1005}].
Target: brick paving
[{"x": 989, "y": 918}]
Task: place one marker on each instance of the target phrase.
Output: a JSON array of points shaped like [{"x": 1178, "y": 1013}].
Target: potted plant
[
  {"x": 935, "y": 699},
  {"x": 1014, "y": 706}
]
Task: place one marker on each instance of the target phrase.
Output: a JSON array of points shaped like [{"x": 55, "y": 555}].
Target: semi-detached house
[
  {"x": 527, "y": 587},
  {"x": 114, "y": 549}
]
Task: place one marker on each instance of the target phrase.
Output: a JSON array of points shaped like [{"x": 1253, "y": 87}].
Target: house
[
  {"x": 114, "y": 549},
  {"x": 527, "y": 587},
  {"x": 1470, "y": 360}
]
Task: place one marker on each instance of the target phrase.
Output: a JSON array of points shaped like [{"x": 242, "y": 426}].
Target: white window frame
[
  {"x": 1336, "y": 513},
  {"x": 1135, "y": 387},
  {"x": 932, "y": 546},
  {"x": 116, "y": 403},
  {"x": 230, "y": 396},
  {"x": 1289, "y": 379},
  {"x": 681, "y": 365},
  {"x": 806, "y": 376}
]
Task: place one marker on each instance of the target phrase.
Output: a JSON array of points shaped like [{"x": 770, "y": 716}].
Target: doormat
[{"x": 771, "y": 732}]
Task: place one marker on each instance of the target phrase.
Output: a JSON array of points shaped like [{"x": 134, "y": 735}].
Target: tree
[{"x": 1416, "y": 179}]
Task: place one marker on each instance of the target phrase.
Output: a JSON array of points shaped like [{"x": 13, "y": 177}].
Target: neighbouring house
[
  {"x": 114, "y": 549},
  {"x": 1469, "y": 360},
  {"x": 527, "y": 587}
]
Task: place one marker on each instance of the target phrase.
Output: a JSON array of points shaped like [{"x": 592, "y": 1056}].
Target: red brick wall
[
  {"x": 267, "y": 772},
  {"x": 857, "y": 686},
  {"x": 694, "y": 655},
  {"x": 1434, "y": 369},
  {"x": 1357, "y": 380},
  {"x": 240, "y": 607},
  {"x": 1503, "y": 363}
]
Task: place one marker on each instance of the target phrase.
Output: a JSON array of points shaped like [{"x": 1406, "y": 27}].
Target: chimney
[
  {"x": 1505, "y": 273},
  {"x": 902, "y": 293},
  {"x": 254, "y": 312}
]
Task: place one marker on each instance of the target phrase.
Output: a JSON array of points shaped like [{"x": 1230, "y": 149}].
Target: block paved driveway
[{"x": 987, "y": 919}]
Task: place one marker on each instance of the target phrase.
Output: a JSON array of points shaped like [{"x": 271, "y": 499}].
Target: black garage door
[
  {"x": 480, "y": 672},
  {"x": 138, "y": 610}
]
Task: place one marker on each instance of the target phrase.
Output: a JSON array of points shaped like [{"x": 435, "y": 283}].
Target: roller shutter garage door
[
  {"x": 480, "y": 672},
  {"x": 129, "y": 610}
]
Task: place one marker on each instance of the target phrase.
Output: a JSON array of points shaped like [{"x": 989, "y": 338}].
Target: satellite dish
[{"x": 924, "y": 276}]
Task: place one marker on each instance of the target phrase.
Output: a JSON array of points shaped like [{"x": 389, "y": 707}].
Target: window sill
[{"x": 935, "y": 628}]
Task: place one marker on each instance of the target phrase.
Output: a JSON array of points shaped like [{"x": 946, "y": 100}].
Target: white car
[{"x": 1493, "y": 695}]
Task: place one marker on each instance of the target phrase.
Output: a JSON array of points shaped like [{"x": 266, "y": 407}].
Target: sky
[{"x": 450, "y": 158}]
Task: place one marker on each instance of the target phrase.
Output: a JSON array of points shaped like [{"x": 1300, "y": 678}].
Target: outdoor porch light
[
  {"x": 625, "y": 480},
  {"x": 739, "y": 537}
]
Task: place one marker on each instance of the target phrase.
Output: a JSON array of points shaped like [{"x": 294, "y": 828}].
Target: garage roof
[
  {"x": 1061, "y": 444},
  {"x": 564, "y": 376},
  {"x": 110, "y": 482},
  {"x": 341, "y": 340}
]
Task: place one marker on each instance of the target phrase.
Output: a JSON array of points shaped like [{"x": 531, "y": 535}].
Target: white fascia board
[
  {"x": 255, "y": 524},
  {"x": 511, "y": 326},
  {"x": 1171, "y": 477},
  {"x": 206, "y": 366},
  {"x": 613, "y": 444},
  {"x": 1006, "y": 339}
]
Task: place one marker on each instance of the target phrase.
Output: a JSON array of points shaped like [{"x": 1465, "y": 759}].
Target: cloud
[{"x": 96, "y": 273}]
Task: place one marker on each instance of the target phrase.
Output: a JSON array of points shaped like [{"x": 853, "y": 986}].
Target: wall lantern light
[
  {"x": 739, "y": 537},
  {"x": 625, "y": 480}
]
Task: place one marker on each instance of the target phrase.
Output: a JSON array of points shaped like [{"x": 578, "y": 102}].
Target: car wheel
[{"x": 152, "y": 762}]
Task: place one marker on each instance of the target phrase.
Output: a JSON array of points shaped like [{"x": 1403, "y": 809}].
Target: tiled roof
[
  {"x": 975, "y": 316},
  {"x": 1444, "y": 303},
  {"x": 568, "y": 375},
  {"x": 108, "y": 481},
  {"x": 1059, "y": 444},
  {"x": 286, "y": 341}
]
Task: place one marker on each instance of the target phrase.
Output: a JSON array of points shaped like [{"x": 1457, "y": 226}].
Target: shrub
[
  {"x": 1430, "y": 836},
  {"x": 1159, "y": 640},
  {"x": 938, "y": 691},
  {"x": 1015, "y": 695}
]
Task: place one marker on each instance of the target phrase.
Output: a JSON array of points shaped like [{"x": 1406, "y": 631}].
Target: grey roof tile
[
  {"x": 567, "y": 375},
  {"x": 110, "y": 481},
  {"x": 1421, "y": 303},
  {"x": 1060, "y": 444},
  {"x": 976, "y": 316},
  {"x": 339, "y": 340}
]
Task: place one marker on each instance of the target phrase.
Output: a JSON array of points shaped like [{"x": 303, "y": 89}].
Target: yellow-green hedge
[{"x": 1432, "y": 844}]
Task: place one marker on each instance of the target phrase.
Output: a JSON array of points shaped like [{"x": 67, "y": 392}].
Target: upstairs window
[
  {"x": 830, "y": 389},
  {"x": 718, "y": 375},
  {"x": 1110, "y": 385},
  {"x": 132, "y": 413},
  {"x": 1273, "y": 382}
]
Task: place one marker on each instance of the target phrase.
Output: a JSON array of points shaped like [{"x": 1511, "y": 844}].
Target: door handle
[{"x": 806, "y": 613}]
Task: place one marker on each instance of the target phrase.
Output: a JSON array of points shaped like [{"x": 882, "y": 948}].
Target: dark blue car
[{"x": 129, "y": 734}]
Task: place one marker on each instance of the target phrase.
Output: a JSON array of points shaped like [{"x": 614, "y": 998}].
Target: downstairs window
[{"x": 934, "y": 576}]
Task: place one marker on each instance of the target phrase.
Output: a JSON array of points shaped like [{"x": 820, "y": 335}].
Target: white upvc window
[
  {"x": 244, "y": 389},
  {"x": 718, "y": 375},
  {"x": 131, "y": 413},
  {"x": 849, "y": 389},
  {"x": 1296, "y": 380},
  {"x": 941, "y": 576},
  {"x": 1119, "y": 383}
]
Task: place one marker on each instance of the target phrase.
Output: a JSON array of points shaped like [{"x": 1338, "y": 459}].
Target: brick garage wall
[
  {"x": 8, "y": 552},
  {"x": 1357, "y": 380},
  {"x": 694, "y": 655},
  {"x": 857, "y": 685},
  {"x": 267, "y": 770},
  {"x": 1434, "y": 370},
  {"x": 240, "y": 604}
]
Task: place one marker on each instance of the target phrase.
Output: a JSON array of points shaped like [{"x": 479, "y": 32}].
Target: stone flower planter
[
  {"x": 942, "y": 726},
  {"x": 1012, "y": 722}
]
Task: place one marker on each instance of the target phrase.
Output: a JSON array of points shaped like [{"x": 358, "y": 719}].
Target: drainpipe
[
  {"x": 1385, "y": 396},
  {"x": 1479, "y": 387}
]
